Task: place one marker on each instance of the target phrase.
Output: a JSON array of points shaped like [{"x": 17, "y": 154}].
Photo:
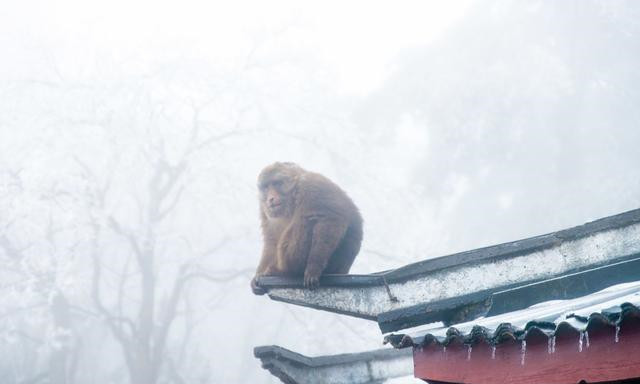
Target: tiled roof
[{"x": 612, "y": 307}]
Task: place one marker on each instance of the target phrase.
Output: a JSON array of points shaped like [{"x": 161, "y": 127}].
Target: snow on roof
[{"x": 610, "y": 306}]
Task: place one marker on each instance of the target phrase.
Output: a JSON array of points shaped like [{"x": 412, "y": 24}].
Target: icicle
[
  {"x": 469, "y": 348},
  {"x": 586, "y": 337},
  {"x": 617, "y": 333},
  {"x": 580, "y": 342},
  {"x": 553, "y": 344},
  {"x": 493, "y": 352},
  {"x": 444, "y": 352},
  {"x": 550, "y": 345},
  {"x": 523, "y": 351}
]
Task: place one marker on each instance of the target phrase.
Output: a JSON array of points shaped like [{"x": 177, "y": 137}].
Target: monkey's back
[
  {"x": 344, "y": 256},
  {"x": 324, "y": 197}
]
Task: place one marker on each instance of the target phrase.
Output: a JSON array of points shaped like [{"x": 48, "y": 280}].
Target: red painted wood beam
[{"x": 599, "y": 358}]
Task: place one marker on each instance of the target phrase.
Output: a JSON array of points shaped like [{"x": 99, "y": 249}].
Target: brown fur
[{"x": 309, "y": 225}]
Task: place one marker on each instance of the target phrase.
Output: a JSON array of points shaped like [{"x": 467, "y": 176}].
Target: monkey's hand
[
  {"x": 257, "y": 290},
  {"x": 311, "y": 279}
]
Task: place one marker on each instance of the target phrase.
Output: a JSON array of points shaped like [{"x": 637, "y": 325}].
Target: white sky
[{"x": 356, "y": 39}]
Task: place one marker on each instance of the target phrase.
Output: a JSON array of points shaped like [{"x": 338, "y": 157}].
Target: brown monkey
[{"x": 309, "y": 225}]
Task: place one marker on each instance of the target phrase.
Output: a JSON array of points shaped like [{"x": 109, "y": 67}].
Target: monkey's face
[
  {"x": 273, "y": 200},
  {"x": 277, "y": 183}
]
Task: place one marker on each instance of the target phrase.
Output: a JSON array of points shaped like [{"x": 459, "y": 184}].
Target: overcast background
[{"x": 131, "y": 134}]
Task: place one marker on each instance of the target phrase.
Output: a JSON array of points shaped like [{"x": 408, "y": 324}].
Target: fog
[{"x": 131, "y": 135}]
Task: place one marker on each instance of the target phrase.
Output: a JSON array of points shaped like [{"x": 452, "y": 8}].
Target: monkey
[{"x": 309, "y": 225}]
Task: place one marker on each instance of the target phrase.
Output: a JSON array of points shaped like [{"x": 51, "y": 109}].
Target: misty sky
[
  {"x": 452, "y": 125},
  {"x": 355, "y": 40}
]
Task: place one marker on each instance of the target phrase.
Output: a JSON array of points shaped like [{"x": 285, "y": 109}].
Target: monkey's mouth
[{"x": 275, "y": 210}]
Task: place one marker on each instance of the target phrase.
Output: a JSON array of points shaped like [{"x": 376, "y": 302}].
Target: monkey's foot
[{"x": 311, "y": 280}]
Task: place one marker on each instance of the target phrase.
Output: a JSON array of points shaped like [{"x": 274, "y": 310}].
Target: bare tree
[
  {"x": 143, "y": 331},
  {"x": 35, "y": 287}
]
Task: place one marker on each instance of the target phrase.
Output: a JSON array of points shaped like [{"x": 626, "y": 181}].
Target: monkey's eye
[{"x": 277, "y": 183}]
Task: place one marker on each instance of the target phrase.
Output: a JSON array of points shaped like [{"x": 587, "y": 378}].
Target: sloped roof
[
  {"x": 368, "y": 367},
  {"x": 611, "y": 307},
  {"x": 486, "y": 281}
]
